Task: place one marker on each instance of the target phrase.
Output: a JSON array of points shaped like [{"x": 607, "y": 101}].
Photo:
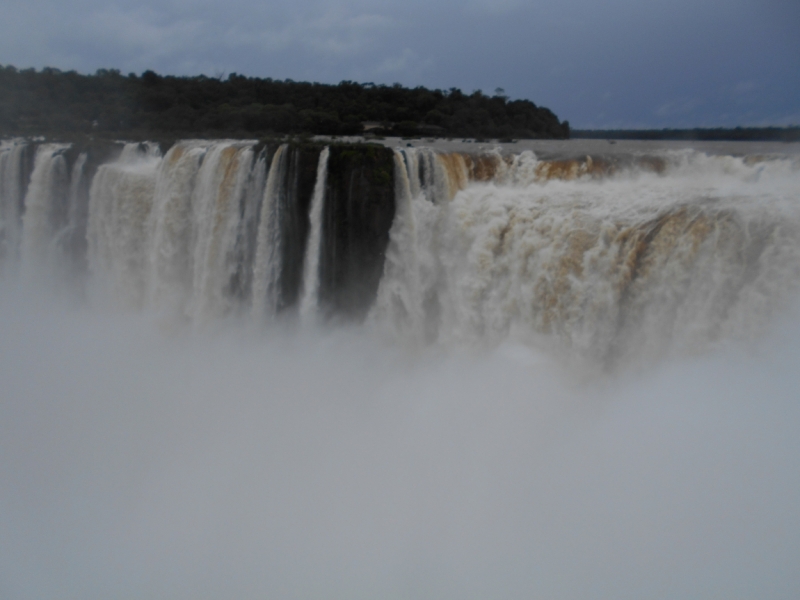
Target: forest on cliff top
[{"x": 55, "y": 102}]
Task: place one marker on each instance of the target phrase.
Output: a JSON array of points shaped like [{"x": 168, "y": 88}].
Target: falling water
[
  {"x": 45, "y": 204},
  {"x": 216, "y": 201},
  {"x": 310, "y": 298},
  {"x": 609, "y": 259},
  {"x": 70, "y": 240},
  {"x": 498, "y": 446},
  {"x": 11, "y": 187},
  {"x": 169, "y": 265},
  {"x": 266, "y": 267},
  {"x": 120, "y": 201},
  {"x": 248, "y": 228},
  {"x": 633, "y": 263}
]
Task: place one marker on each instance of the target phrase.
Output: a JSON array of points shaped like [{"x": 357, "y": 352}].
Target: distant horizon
[
  {"x": 619, "y": 65},
  {"x": 498, "y": 91}
]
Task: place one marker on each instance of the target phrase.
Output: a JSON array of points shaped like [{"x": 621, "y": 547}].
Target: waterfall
[
  {"x": 120, "y": 201},
  {"x": 609, "y": 258},
  {"x": 242, "y": 283},
  {"x": 169, "y": 228},
  {"x": 70, "y": 240},
  {"x": 310, "y": 297},
  {"x": 633, "y": 265},
  {"x": 266, "y": 266},
  {"x": 45, "y": 204},
  {"x": 163, "y": 232},
  {"x": 399, "y": 306},
  {"x": 216, "y": 203},
  {"x": 11, "y": 188}
]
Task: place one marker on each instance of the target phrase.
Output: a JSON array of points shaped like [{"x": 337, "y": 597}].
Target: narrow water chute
[{"x": 310, "y": 293}]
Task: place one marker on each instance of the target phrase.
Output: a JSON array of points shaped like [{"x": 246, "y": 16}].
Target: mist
[
  {"x": 140, "y": 459},
  {"x": 574, "y": 378}
]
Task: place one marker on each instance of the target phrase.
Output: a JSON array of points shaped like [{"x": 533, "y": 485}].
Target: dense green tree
[{"x": 52, "y": 101}]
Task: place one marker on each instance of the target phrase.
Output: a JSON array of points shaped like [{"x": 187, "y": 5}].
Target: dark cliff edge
[
  {"x": 293, "y": 205},
  {"x": 358, "y": 213}
]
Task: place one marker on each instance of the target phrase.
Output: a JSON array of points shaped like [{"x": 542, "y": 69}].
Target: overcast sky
[{"x": 618, "y": 63}]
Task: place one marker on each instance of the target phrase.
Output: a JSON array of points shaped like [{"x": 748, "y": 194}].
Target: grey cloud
[
  {"x": 562, "y": 55},
  {"x": 143, "y": 31},
  {"x": 405, "y": 62}
]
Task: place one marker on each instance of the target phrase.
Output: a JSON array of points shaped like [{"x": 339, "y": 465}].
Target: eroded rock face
[
  {"x": 359, "y": 210},
  {"x": 293, "y": 207}
]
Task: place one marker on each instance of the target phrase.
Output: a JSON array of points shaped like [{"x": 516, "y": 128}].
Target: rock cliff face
[
  {"x": 297, "y": 187},
  {"x": 164, "y": 215},
  {"x": 358, "y": 214}
]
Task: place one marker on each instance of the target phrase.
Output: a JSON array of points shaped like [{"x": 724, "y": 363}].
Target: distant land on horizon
[
  {"x": 51, "y": 101},
  {"x": 705, "y": 134},
  {"x": 64, "y": 103}
]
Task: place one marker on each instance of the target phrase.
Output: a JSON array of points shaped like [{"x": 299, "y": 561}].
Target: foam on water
[
  {"x": 120, "y": 201},
  {"x": 44, "y": 203},
  {"x": 633, "y": 264}
]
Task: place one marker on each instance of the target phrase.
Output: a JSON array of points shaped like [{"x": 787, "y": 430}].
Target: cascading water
[
  {"x": 11, "y": 196},
  {"x": 245, "y": 250},
  {"x": 169, "y": 229},
  {"x": 310, "y": 298},
  {"x": 631, "y": 263},
  {"x": 120, "y": 201},
  {"x": 71, "y": 238},
  {"x": 163, "y": 232},
  {"x": 604, "y": 258},
  {"x": 401, "y": 295},
  {"x": 46, "y": 205},
  {"x": 266, "y": 267},
  {"x": 313, "y": 463},
  {"x": 216, "y": 200}
]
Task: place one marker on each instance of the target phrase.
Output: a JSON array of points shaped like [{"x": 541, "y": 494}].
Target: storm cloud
[{"x": 615, "y": 64}]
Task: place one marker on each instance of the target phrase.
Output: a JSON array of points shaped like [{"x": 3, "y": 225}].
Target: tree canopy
[{"x": 51, "y": 101}]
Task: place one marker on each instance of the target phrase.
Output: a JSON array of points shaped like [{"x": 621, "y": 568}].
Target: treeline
[
  {"x": 738, "y": 134},
  {"x": 51, "y": 101}
]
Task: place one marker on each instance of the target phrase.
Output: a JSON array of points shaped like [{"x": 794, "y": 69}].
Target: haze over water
[{"x": 578, "y": 379}]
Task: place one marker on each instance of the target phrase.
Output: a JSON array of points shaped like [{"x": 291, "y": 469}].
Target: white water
[
  {"x": 10, "y": 199},
  {"x": 216, "y": 200},
  {"x": 47, "y": 193},
  {"x": 266, "y": 268},
  {"x": 662, "y": 254},
  {"x": 75, "y": 222},
  {"x": 309, "y": 302},
  {"x": 442, "y": 450},
  {"x": 120, "y": 201},
  {"x": 634, "y": 265},
  {"x": 169, "y": 230}
]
